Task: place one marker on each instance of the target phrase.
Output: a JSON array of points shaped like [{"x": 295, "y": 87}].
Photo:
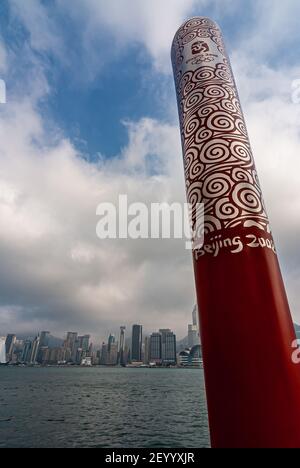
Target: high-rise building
[
  {"x": 111, "y": 341},
  {"x": 113, "y": 354},
  {"x": 155, "y": 348},
  {"x": 193, "y": 329},
  {"x": 44, "y": 339},
  {"x": 84, "y": 343},
  {"x": 193, "y": 337},
  {"x": 168, "y": 346},
  {"x": 121, "y": 346},
  {"x": 2, "y": 350},
  {"x": 195, "y": 315},
  {"x": 136, "y": 347},
  {"x": 9, "y": 346},
  {"x": 72, "y": 344},
  {"x": 146, "y": 350},
  {"x": 44, "y": 342},
  {"x": 104, "y": 354},
  {"x": 71, "y": 340},
  {"x": 27, "y": 350},
  {"x": 34, "y": 350}
]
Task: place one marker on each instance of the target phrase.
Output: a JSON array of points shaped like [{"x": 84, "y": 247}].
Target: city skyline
[
  {"x": 159, "y": 348},
  {"x": 75, "y": 136}
]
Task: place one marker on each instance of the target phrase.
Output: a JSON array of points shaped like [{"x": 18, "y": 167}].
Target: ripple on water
[{"x": 102, "y": 408}]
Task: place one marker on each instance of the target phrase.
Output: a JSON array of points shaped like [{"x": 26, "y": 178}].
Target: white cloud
[
  {"x": 149, "y": 25},
  {"x": 54, "y": 272},
  {"x": 152, "y": 24}
]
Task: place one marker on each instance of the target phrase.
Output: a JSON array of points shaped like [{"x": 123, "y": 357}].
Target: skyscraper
[
  {"x": 104, "y": 354},
  {"x": 27, "y": 349},
  {"x": 44, "y": 341},
  {"x": 193, "y": 329},
  {"x": 113, "y": 354},
  {"x": 72, "y": 344},
  {"x": 9, "y": 345},
  {"x": 195, "y": 315},
  {"x": 147, "y": 350},
  {"x": 2, "y": 351},
  {"x": 193, "y": 338},
  {"x": 34, "y": 350},
  {"x": 155, "y": 348},
  {"x": 121, "y": 360},
  {"x": 136, "y": 347},
  {"x": 71, "y": 340},
  {"x": 111, "y": 341},
  {"x": 168, "y": 347}
]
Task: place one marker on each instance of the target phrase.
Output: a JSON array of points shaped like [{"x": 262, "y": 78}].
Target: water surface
[{"x": 102, "y": 407}]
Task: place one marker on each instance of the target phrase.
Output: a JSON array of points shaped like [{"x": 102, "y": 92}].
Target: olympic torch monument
[{"x": 252, "y": 385}]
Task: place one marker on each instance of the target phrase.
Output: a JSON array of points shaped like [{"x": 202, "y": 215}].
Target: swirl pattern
[{"x": 219, "y": 166}]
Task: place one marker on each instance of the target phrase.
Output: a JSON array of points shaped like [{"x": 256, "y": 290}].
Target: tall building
[
  {"x": 34, "y": 350},
  {"x": 111, "y": 341},
  {"x": 155, "y": 348},
  {"x": 193, "y": 329},
  {"x": 121, "y": 356},
  {"x": 27, "y": 350},
  {"x": 72, "y": 344},
  {"x": 71, "y": 340},
  {"x": 136, "y": 347},
  {"x": 147, "y": 350},
  {"x": 44, "y": 339},
  {"x": 195, "y": 315},
  {"x": 193, "y": 337},
  {"x": 2, "y": 350},
  {"x": 112, "y": 359},
  {"x": 44, "y": 343},
  {"x": 168, "y": 347},
  {"x": 104, "y": 354},
  {"x": 84, "y": 343},
  {"x": 9, "y": 345}
]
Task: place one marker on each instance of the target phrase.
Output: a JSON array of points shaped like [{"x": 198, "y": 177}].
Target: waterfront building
[
  {"x": 3, "y": 359},
  {"x": 27, "y": 349},
  {"x": 190, "y": 357},
  {"x": 147, "y": 350},
  {"x": 44, "y": 342},
  {"x": 168, "y": 347},
  {"x": 10, "y": 345},
  {"x": 104, "y": 354},
  {"x": 193, "y": 337},
  {"x": 84, "y": 343},
  {"x": 195, "y": 358},
  {"x": 183, "y": 358},
  {"x": 112, "y": 359},
  {"x": 121, "y": 346},
  {"x": 136, "y": 346},
  {"x": 155, "y": 348},
  {"x": 34, "y": 350}
]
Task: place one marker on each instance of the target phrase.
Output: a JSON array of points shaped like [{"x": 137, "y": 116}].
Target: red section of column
[{"x": 253, "y": 387}]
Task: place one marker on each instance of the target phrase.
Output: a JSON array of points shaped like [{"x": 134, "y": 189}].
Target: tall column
[{"x": 253, "y": 387}]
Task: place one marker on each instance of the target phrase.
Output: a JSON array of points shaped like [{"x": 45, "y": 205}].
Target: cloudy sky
[{"x": 91, "y": 113}]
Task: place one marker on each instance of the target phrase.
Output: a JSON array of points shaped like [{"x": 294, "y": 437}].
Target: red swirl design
[{"x": 219, "y": 164}]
